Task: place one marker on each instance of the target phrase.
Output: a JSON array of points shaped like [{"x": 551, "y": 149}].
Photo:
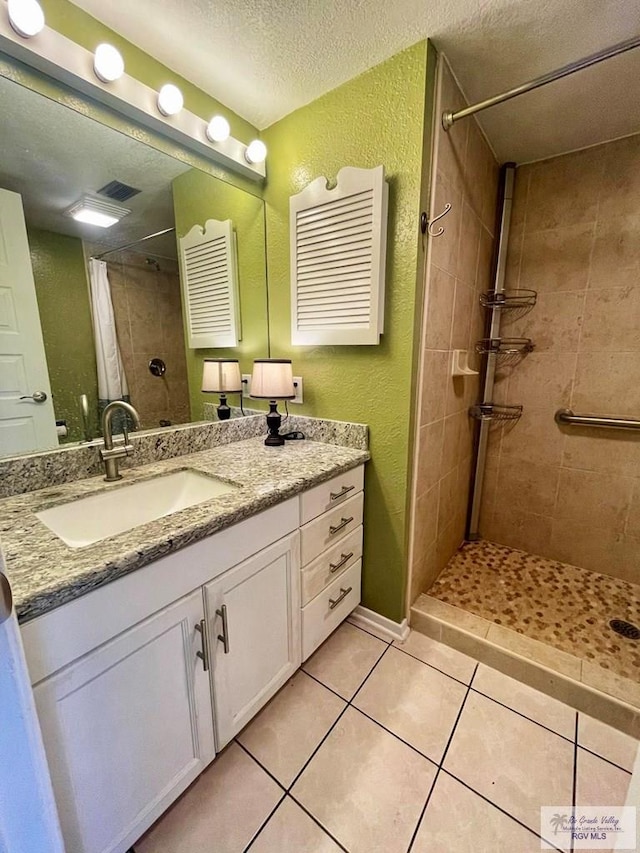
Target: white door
[
  {"x": 29, "y": 424},
  {"x": 253, "y": 615},
  {"x": 127, "y": 728}
]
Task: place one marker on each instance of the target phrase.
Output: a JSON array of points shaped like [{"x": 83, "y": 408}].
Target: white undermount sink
[{"x": 87, "y": 520}]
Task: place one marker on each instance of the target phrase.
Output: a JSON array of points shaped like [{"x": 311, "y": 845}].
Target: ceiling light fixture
[
  {"x": 94, "y": 211},
  {"x": 26, "y": 17},
  {"x": 108, "y": 63},
  {"x": 256, "y": 152},
  {"x": 218, "y": 129},
  {"x": 170, "y": 100}
]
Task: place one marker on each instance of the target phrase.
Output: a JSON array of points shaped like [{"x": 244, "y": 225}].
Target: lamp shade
[
  {"x": 221, "y": 375},
  {"x": 272, "y": 379}
]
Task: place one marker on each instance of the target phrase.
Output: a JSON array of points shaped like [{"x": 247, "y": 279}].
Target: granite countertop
[{"x": 45, "y": 573}]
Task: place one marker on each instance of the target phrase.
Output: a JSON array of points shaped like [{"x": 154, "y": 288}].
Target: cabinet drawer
[
  {"x": 322, "y": 532},
  {"x": 330, "y": 565},
  {"x": 327, "y": 495},
  {"x": 323, "y": 615}
]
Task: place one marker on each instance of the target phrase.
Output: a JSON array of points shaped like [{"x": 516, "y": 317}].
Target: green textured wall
[
  {"x": 63, "y": 301},
  {"x": 375, "y": 118},
  {"x": 196, "y": 198}
]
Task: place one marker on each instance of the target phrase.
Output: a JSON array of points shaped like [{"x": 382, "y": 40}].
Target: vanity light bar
[{"x": 58, "y": 57}]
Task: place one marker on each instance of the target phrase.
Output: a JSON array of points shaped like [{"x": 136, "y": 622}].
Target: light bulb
[
  {"x": 170, "y": 100},
  {"x": 256, "y": 152},
  {"x": 108, "y": 63},
  {"x": 26, "y": 17},
  {"x": 218, "y": 129}
]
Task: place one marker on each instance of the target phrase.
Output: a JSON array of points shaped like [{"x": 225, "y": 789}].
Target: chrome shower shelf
[
  {"x": 505, "y": 346},
  {"x": 494, "y": 412},
  {"x": 508, "y": 298}
]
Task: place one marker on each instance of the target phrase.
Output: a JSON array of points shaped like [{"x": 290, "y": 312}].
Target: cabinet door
[
  {"x": 127, "y": 728},
  {"x": 254, "y": 631}
]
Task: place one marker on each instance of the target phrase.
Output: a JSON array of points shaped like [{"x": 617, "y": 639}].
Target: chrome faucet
[{"x": 110, "y": 454}]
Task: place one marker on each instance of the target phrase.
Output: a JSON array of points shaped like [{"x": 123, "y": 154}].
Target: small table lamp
[
  {"x": 221, "y": 376},
  {"x": 272, "y": 380}
]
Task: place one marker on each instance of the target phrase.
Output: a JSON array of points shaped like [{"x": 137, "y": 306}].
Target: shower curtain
[{"x": 112, "y": 382}]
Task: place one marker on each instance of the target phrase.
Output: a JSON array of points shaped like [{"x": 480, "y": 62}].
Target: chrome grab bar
[
  {"x": 565, "y": 417},
  {"x": 6, "y": 599}
]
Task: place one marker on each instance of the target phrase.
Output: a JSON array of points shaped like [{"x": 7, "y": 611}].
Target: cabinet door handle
[
  {"x": 224, "y": 637},
  {"x": 333, "y": 567},
  {"x": 343, "y": 594},
  {"x": 334, "y": 496},
  {"x": 343, "y": 523},
  {"x": 201, "y": 628}
]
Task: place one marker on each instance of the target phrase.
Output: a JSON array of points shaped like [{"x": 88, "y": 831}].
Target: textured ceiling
[
  {"x": 265, "y": 58},
  {"x": 52, "y": 156}
]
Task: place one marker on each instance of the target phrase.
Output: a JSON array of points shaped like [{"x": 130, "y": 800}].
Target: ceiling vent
[{"x": 118, "y": 191}]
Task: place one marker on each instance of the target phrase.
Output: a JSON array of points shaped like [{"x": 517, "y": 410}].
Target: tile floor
[
  {"x": 396, "y": 747},
  {"x": 537, "y": 597}
]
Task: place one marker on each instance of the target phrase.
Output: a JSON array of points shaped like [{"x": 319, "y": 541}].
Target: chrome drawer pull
[
  {"x": 201, "y": 628},
  {"x": 333, "y": 567},
  {"x": 343, "y": 523},
  {"x": 343, "y": 491},
  {"x": 343, "y": 594},
  {"x": 224, "y": 637}
]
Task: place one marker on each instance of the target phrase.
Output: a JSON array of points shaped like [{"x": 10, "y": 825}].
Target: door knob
[{"x": 37, "y": 397}]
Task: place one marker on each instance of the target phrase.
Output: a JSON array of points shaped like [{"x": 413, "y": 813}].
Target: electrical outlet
[
  {"x": 246, "y": 384},
  {"x": 297, "y": 384}
]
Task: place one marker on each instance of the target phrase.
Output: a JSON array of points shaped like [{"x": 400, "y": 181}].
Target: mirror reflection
[{"x": 71, "y": 290}]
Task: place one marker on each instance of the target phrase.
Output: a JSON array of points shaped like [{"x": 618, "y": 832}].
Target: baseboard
[{"x": 377, "y": 624}]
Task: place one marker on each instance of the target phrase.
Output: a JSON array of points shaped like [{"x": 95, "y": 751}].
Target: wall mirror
[{"x": 51, "y": 157}]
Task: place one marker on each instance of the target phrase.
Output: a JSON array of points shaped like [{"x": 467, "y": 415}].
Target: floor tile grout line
[
  {"x": 393, "y": 734},
  {"x": 524, "y": 716},
  {"x": 499, "y": 808},
  {"x": 432, "y": 665},
  {"x": 262, "y": 766},
  {"x": 369, "y": 674},
  {"x": 574, "y": 780},
  {"x": 444, "y": 755},
  {"x": 326, "y": 686},
  {"x": 316, "y": 821},
  {"x": 602, "y": 758},
  {"x": 266, "y": 821},
  {"x": 364, "y": 630}
]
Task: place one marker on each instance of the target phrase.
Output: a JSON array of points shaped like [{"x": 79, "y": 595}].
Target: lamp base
[
  {"x": 274, "y": 419},
  {"x": 224, "y": 412}
]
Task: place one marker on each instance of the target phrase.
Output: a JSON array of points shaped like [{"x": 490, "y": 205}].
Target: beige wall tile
[
  {"x": 444, "y": 252},
  {"x": 533, "y": 438},
  {"x": 596, "y": 500},
  {"x": 520, "y": 195},
  {"x": 426, "y": 522},
  {"x": 553, "y": 324},
  {"x": 557, "y": 259},
  {"x": 616, "y": 258},
  {"x": 448, "y": 487},
  {"x": 613, "y": 452},
  {"x": 580, "y": 544},
  {"x": 517, "y": 529},
  {"x": 485, "y": 254},
  {"x": 633, "y": 521},
  {"x": 564, "y": 191},
  {"x": 442, "y": 288},
  {"x": 462, "y": 313},
  {"x": 435, "y": 384},
  {"x": 543, "y": 379},
  {"x": 526, "y": 487},
  {"x": 468, "y": 246},
  {"x": 429, "y": 455},
  {"x": 621, "y": 189},
  {"x": 612, "y": 319},
  {"x": 423, "y": 573},
  {"x": 603, "y": 382},
  {"x": 453, "y": 426}
]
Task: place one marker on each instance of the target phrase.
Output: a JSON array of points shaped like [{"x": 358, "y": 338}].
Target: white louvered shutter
[
  {"x": 338, "y": 253},
  {"x": 208, "y": 272}
]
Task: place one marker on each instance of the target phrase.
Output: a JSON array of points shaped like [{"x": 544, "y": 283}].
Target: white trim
[{"x": 369, "y": 619}]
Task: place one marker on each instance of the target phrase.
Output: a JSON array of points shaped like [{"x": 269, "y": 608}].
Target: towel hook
[{"x": 427, "y": 226}]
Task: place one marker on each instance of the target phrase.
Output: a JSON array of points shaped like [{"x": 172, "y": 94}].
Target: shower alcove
[{"x": 530, "y": 574}]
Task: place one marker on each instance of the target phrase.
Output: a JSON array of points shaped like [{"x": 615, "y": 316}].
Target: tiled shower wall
[
  {"x": 573, "y": 494},
  {"x": 460, "y": 268},
  {"x": 148, "y": 314}
]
